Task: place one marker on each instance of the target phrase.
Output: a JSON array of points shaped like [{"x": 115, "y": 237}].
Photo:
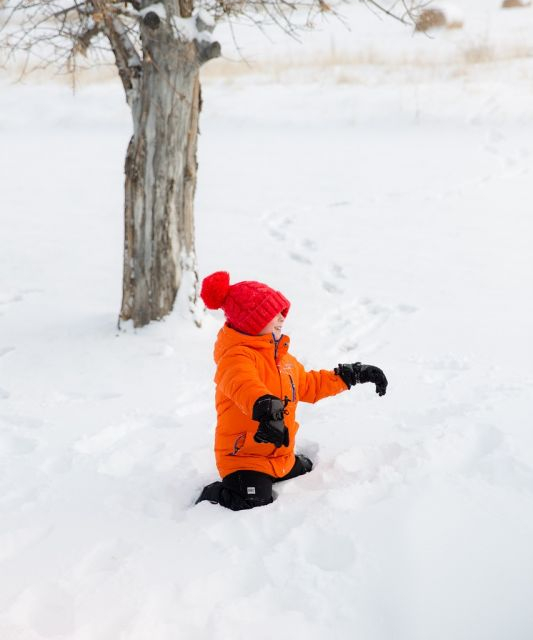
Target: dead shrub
[
  {"x": 434, "y": 18},
  {"x": 512, "y": 4}
]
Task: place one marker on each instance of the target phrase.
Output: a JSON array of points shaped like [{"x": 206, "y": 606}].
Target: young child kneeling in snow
[{"x": 258, "y": 386}]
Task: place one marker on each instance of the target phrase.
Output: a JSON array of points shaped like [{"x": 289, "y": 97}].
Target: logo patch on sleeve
[{"x": 250, "y": 491}]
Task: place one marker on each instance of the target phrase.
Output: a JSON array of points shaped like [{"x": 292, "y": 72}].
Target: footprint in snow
[
  {"x": 354, "y": 320},
  {"x": 277, "y": 226},
  {"x": 338, "y": 271},
  {"x": 276, "y": 233},
  {"x": 334, "y": 275},
  {"x": 299, "y": 257},
  {"x": 331, "y": 287},
  {"x": 7, "y": 299},
  {"x": 302, "y": 251},
  {"x": 309, "y": 244},
  {"x": 406, "y": 308}
]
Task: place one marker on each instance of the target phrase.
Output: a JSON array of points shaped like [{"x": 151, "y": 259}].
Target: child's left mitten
[{"x": 358, "y": 373}]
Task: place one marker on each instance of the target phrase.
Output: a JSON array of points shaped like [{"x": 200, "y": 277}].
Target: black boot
[
  {"x": 302, "y": 465},
  {"x": 211, "y": 492},
  {"x": 307, "y": 464}
]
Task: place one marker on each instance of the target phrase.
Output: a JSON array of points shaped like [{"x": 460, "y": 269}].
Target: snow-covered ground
[{"x": 391, "y": 203}]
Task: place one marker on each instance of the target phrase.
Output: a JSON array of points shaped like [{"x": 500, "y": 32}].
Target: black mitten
[
  {"x": 269, "y": 411},
  {"x": 358, "y": 373}
]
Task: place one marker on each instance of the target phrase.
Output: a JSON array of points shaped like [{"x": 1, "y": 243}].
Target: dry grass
[
  {"x": 336, "y": 67},
  {"x": 348, "y": 67},
  {"x": 484, "y": 54}
]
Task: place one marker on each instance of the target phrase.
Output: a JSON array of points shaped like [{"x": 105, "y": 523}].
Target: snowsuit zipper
[
  {"x": 293, "y": 388},
  {"x": 285, "y": 398}
]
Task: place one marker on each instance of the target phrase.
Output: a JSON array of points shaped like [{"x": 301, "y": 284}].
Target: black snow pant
[{"x": 248, "y": 489}]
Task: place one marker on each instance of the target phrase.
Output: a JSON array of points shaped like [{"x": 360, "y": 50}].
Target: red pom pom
[{"x": 215, "y": 289}]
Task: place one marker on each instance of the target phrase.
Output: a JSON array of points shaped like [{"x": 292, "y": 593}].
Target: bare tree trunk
[{"x": 161, "y": 173}]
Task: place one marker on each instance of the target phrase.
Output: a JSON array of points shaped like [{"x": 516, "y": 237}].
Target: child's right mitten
[{"x": 269, "y": 411}]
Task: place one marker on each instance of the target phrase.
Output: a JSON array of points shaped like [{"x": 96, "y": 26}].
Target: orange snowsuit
[{"x": 249, "y": 367}]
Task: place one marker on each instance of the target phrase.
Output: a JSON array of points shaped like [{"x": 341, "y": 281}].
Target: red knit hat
[{"x": 249, "y": 306}]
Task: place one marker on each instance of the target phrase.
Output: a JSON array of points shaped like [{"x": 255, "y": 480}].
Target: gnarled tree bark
[{"x": 161, "y": 166}]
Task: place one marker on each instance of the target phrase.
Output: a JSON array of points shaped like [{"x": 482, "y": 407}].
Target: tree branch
[
  {"x": 83, "y": 41},
  {"x": 68, "y": 27},
  {"x": 127, "y": 59},
  {"x": 386, "y": 11}
]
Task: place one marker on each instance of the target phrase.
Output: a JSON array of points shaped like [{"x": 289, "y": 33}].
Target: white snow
[
  {"x": 187, "y": 29},
  {"x": 391, "y": 203},
  {"x": 158, "y": 8},
  {"x": 206, "y": 18}
]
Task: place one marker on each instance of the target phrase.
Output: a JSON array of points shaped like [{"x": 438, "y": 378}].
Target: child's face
[{"x": 275, "y": 326}]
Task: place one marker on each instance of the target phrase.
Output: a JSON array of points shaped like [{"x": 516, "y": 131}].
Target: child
[{"x": 258, "y": 386}]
